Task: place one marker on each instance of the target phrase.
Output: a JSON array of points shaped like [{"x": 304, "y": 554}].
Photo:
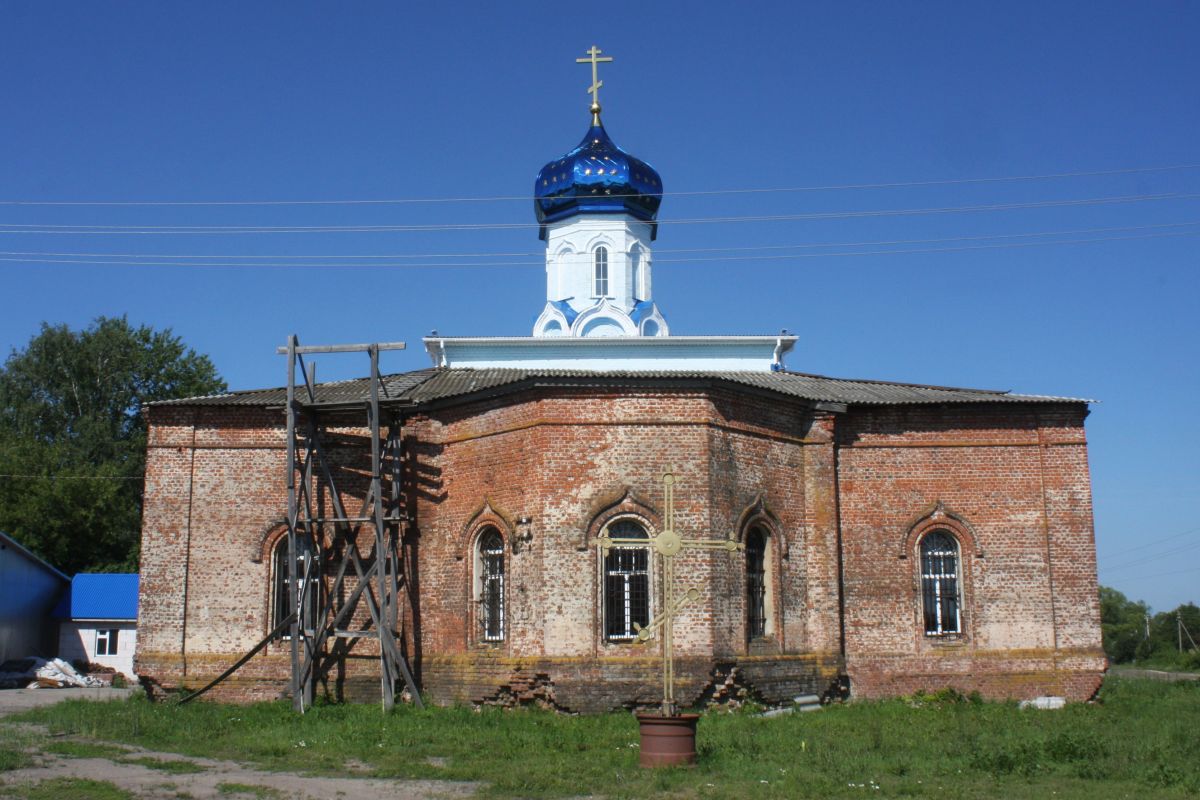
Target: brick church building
[{"x": 894, "y": 537}]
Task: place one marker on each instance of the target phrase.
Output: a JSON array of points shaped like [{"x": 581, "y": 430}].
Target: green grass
[
  {"x": 162, "y": 764},
  {"x": 67, "y": 789},
  {"x": 1139, "y": 742},
  {"x": 14, "y": 743},
  {"x": 74, "y": 749}
]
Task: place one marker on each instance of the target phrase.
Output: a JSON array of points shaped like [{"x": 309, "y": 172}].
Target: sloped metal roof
[
  {"x": 438, "y": 384},
  {"x": 100, "y": 596}
]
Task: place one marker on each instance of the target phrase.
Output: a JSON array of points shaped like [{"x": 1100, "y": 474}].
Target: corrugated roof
[
  {"x": 434, "y": 384},
  {"x": 100, "y": 596}
]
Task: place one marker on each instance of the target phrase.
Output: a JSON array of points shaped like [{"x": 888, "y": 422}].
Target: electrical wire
[
  {"x": 530, "y": 254},
  {"x": 1142, "y": 546},
  {"x": 73, "y": 477},
  {"x": 697, "y": 193},
  {"x": 1137, "y": 562},
  {"x": 1161, "y": 574},
  {"x": 47, "y": 228},
  {"x": 492, "y": 265}
]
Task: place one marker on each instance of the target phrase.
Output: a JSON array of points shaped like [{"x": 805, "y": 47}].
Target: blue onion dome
[{"x": 597, "y": 177}]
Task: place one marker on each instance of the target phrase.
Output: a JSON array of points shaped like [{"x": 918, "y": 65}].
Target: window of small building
[
  {"x": 626, "y": 583},
  {"x": 489, "y": 578},
  {"x": 106, "y": 642},
  {"x": 756, "y": 583},
  {"x": 601, "y": 273},
  {"x": 940, "y": 585},
  {"x": 307, "y": 582}
]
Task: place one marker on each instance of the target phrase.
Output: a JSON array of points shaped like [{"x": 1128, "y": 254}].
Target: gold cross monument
[
  {"x": 594, "y": 89},
  {"x": 667, "y": 544}
]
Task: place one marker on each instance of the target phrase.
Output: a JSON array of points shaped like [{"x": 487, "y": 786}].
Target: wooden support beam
[{"x": 343, "y": 348}]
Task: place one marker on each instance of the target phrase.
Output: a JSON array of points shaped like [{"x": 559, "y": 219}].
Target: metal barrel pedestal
[{"x": 667, "y": 741}]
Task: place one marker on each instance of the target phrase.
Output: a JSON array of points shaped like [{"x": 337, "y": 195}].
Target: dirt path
[
  {"x": 219, "y": 779},
  {"x": 214, "y": 780}
]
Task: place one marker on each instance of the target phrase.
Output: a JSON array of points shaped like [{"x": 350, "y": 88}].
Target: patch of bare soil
[{"x": 145, "y": 782}]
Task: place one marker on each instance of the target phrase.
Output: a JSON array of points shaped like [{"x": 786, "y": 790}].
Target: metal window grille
[
  {"x": 756, "y": 584},
  {"x": 106, "y": 642},
  {"x": 939, "y": 584},
  {"x": 491, "y": 586},
  {"x": 601, "y": 271},
  {"x": 307, "y": 577},
  {"x": 626, "y": 583}
]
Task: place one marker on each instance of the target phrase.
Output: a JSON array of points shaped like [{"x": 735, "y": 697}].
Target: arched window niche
[
  {"x": 759, "y": 603},
  {"x": 600, "y": 272},
  {"x": 308, "y": 583},
  {"x": 944, "y": 546},
  {"x": 759, "y": 530},
  {"x": 489, "y": 585},
  {"x": 941, "y": 584},
  {"x": 640, "y": 283},
  {"x": 626, "y": 582}
]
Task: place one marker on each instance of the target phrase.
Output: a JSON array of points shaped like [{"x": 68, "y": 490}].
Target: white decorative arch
[
  {"x": 653, "y": 324},
  {"x": 605, "y": 315},
  {"x": 601, "y": 238},
  {"x": 551, "y": 322}
]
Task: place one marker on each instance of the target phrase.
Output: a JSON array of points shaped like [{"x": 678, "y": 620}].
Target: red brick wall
[
  {"x": 548, "y": 467},
  {"x": 1016, "y": 478}
]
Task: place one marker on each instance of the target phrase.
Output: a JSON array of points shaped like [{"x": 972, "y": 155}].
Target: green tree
[
  {"x": 1163, "y": 645},
  {"x": 73, "y": 436},
  {"x": 1122, "y": 625}
]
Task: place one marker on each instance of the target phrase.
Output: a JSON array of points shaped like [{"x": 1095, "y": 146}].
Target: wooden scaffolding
[{"x": 324, "y": 599}]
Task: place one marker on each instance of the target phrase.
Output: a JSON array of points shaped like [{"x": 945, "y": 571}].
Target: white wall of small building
[{"x": 77, "y": 642}]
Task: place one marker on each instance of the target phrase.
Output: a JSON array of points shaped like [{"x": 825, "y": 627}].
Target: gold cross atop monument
[
  {"x": 667, "y": 544},
  {"x": 594, "y": 90}
]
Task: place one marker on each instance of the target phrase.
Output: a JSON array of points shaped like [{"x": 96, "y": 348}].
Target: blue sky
[{"x": 314, "y": 101}]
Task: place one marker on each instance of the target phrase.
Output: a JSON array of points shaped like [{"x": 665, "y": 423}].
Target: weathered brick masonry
[{"x": 843, "y": 490}]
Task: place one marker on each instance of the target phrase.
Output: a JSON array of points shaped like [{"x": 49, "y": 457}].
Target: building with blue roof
[{"x": 99, "y": 620}]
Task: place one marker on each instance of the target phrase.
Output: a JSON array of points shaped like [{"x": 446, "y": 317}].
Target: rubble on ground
[{"x": 40, "y": 673}]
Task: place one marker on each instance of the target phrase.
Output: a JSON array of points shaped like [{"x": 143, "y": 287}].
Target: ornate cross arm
[
  {"x": 644, "y": 634},
  {"x": 606, "y": 543}
]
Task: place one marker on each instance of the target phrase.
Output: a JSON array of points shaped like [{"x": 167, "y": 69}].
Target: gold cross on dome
[
  {"x": 667, "y": 544},
  {"x": 594, "y": 90}
]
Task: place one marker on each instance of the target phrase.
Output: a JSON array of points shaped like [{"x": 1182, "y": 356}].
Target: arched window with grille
[
  {"x": 756, "y": 583},
  {"x": 940, "y": 585},
  {"x": 601, "y": 273},
  {"x": 489, "y": 581},
  {"x": 308, "y": 582},
  {"x": 626, "y": 583}
]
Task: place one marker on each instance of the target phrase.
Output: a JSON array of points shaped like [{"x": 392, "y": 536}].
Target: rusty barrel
[{"x": 667, "y": 741}]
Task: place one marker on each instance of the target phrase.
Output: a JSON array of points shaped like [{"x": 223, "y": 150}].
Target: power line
[
  {"x": 1162, "y": 574},
  {"x": 1137, "y": 562},
  {"x": 528, "y": 198},
  {"x": 47, "y": 228},
  {"x": 444, "y": 265},
  {"x": 529, "y": 254},
  {"x": 73, "y": 477},
  {"x": 1188, "y": 532}
]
